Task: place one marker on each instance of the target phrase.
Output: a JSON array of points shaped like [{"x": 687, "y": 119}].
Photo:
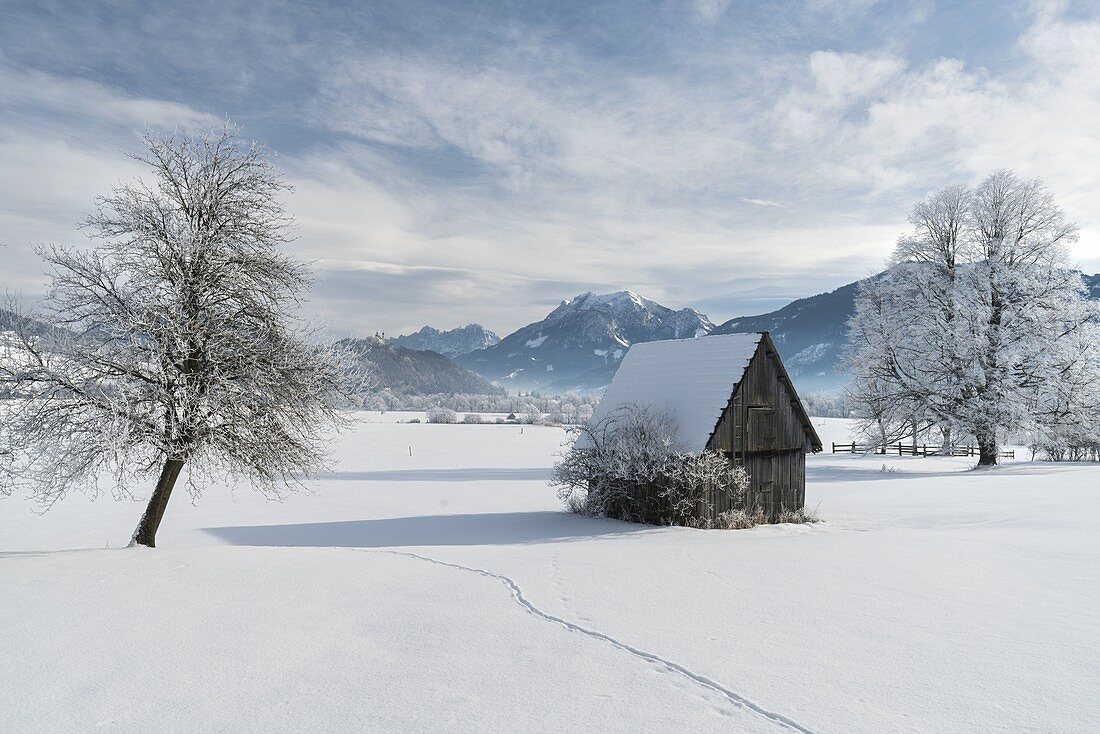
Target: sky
[{"x": 481, "y": 161}]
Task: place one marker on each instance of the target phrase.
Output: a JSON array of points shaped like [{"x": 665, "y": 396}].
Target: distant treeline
[
  {"x": 828, "y": 405},
  {"x": 571, "y": 408}
]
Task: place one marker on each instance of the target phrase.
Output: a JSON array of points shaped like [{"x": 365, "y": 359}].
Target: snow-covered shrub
[
  {"x": 533, "y": 417},
  {"x": 629, "y": 466},
  {"x": 799, "y": 516},
  {"x": 694, "y": 483},
  {"x": 442, "y": 415},
  {"x": 471, "y": 418},
  {"x": 1071, "y": 451},
  {"x": 738, "y": 519}
]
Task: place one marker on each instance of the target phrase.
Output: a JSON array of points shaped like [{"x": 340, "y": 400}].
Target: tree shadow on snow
[
  {"x": 826, "y": 474},
  {"x": 831, "y": 474},
  {"x": 467, "y": 474},
  {"x": 504, "y": 528}
]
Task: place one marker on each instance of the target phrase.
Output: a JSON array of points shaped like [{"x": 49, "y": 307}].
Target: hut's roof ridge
[{"x": 690, "y": 378}]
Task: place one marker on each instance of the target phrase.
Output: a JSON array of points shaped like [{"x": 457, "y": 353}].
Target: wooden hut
[{"x": 727, "y": 393}]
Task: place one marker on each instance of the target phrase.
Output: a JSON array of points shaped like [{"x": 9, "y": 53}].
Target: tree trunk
[
  {"x": 948, "y": 444},
  {"x": 146, "y": 533},
  {"x": 987, "y": 450}
]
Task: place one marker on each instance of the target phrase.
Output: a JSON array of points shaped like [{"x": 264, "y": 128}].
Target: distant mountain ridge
[
  {"x": 451, "y": 343},
  {"x": 579, "y": 344},
  {"x": 10, "y": 321},
  {"x": 415, "y": 372},
  {"x": 810, "y": 334}
]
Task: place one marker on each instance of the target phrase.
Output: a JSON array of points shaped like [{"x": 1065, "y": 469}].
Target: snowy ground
[{"x": 446, "y": 591}]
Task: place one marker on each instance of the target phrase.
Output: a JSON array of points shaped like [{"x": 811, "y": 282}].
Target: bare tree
[{"x": 174, "y": 340}]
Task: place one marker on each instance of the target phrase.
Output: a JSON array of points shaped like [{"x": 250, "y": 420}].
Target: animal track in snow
[{"x": 517, "y": 594}]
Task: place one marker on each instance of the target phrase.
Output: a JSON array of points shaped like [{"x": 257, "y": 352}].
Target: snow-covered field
[{"x": 446, "y": 591}]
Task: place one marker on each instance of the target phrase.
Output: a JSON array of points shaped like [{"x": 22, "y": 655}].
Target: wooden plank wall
[
  {"x": 777, "y": 481},
  {"x": 761, "y": 429}
]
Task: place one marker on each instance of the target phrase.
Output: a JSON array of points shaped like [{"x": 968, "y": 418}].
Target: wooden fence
[{"x": 908, "y": 449}]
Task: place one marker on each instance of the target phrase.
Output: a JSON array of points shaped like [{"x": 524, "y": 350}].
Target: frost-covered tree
[
  {"x": 1022, "y": 301},
  {"x": 886, "y": 390},
  {"x": 174, "y": 342},
  {"x": 907, "y": 360},
  {"x": 978, "y": 310}
]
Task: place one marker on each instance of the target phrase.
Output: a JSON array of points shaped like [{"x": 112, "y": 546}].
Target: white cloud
[
  {"x": 761, "y": 202},
  {"x": 60, "y": 147},
  {"x": 493, "y": 183},
  {"x": 42, "y": 94}
]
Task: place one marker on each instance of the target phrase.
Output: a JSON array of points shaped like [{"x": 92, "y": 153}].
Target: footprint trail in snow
[{"x": 517, "y": 594}]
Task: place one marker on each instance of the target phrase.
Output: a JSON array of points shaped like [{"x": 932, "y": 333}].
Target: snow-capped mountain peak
[
  {"x": 614, "y": 302},
  {"x": 580, "y": 343}
]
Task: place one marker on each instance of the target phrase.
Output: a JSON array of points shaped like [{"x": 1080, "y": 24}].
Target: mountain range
[
  {"x": 414, "y": 371},
  {"x": 810, "y": 334},
  {"x": 579, "y": 345},
  {"x": 451, "y": 343}
]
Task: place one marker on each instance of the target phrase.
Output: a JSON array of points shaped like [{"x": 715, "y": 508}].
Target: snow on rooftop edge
[{"x": 690, "y": 378}]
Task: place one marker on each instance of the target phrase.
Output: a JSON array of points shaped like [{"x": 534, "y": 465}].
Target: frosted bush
[
  {"x": 735, "y": 520},
  {"x": 629, "y": 466},
  {"x": 471, "y": 418},
  {"x": 799, "y": 516},
  {"x": 442, "y": 415}
]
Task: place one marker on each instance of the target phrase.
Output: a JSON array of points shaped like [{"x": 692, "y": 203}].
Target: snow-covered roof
[{"x": 692, "y": 379}]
